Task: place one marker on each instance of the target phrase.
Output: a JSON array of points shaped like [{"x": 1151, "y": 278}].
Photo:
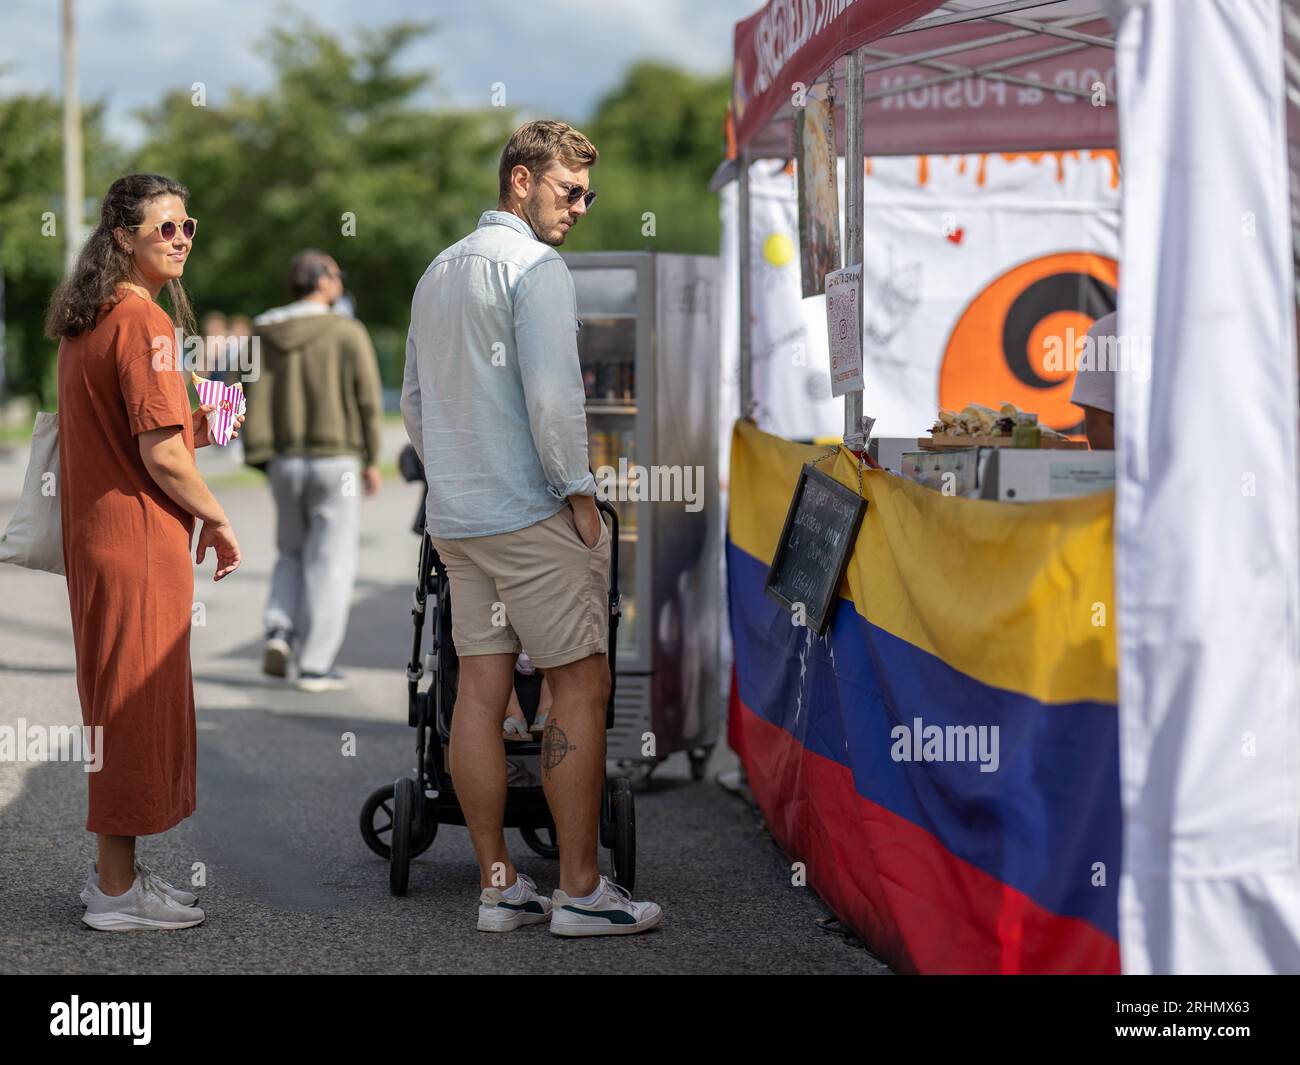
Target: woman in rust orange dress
[{"x": 129, "y": 496}]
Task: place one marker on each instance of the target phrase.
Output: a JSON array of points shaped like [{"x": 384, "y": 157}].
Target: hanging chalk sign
[{"x": 820, "y": 530}]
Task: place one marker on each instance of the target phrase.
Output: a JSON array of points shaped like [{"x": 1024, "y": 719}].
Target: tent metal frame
[{"x": 857, "y": 428}]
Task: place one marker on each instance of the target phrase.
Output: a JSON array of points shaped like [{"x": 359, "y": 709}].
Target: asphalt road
[{"x": 290, "y": 885}]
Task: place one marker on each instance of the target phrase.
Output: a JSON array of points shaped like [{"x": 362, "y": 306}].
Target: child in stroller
[{"x": 516, "y": 725}]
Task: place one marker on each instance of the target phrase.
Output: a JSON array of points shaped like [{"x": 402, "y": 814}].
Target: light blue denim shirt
[{"x": 492, "y": 395}]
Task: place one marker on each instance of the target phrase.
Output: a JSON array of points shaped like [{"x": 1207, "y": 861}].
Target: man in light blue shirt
[
  {"x": 493, "y": 396},
  {"x": 494, "y": 405}
]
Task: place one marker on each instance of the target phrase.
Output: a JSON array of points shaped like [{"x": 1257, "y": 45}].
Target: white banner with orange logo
[{"x": 980, "y": 270}]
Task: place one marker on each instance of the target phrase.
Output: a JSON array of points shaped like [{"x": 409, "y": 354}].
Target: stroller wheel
[
  {"x": 377, "y": 824},
  {"x": 622, "y": 827},
  {"x": 533, "y": 838},
  {"x": 405, "y": 797},
  {"x": 377, "y": 820}
]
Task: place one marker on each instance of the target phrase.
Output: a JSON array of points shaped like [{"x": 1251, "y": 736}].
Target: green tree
[
  {"x": 660, "y": 138},
  {"x": 338, "y": 155},
  {"x": 32, "y": 229},
  {"x": 335, "y": 157}
]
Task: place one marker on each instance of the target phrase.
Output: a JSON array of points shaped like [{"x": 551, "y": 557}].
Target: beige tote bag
[{"x": 34, "y": 537}]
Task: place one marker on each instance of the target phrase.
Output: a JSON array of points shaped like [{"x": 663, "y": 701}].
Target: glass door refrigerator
[{"x": 648, "y": 344}]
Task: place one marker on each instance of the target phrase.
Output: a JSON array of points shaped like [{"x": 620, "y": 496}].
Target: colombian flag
[{"x": 944, "y": 761}]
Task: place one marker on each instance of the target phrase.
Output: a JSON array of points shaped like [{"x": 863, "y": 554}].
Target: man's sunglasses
[
  {"x": 167, "y": 229},
  {"x": 573, "y": 193}
]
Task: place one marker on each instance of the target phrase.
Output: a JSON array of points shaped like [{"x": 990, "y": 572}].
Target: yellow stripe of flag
[{"x": 1019, "y": 596}]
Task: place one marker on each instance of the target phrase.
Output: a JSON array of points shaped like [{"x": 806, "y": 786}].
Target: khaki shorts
[{"x": 538, "y": 589}]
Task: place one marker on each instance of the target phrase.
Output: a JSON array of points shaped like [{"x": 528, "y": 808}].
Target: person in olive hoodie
[{"x": 313, "y": 424}]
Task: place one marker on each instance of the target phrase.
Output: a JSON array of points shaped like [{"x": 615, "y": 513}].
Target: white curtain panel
[{"x": 1206, "y": 500}]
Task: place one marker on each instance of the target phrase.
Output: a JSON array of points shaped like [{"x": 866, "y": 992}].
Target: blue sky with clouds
[{"x": 554, "y": 56}]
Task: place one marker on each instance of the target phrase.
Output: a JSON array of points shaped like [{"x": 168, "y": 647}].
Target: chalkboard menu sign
[{"x": 821, "y": 528}]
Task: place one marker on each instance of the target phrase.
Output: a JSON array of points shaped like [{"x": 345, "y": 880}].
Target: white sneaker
[
  {"x": 496, "y": 913},
  {"x": 185, "y": 898},
  {"x": 333, "y": 681},
  {"x": 612, "y": 914},
  {"x": 144, "y": 906}
]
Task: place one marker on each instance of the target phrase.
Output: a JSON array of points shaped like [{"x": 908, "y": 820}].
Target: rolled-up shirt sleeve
[
  {"x": 412, "y": 409},
  {"x": 546, "y": 325}
]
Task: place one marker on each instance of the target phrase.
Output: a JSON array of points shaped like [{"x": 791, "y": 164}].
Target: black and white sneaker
[
  {"x": 498, "y": 913},
  {"x": 275, "y": 655},
  {"x": 611, "y": 913}
]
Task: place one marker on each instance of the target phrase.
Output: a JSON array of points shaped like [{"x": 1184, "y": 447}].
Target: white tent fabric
[
  {"x": 1208, "y": 565},
  {"x": 1291, "y": 64}
]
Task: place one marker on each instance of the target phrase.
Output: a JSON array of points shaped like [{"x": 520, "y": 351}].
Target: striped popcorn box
[{"x": 229, "y": 402}]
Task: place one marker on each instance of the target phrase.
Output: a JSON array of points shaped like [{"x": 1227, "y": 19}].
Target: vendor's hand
[
  {"x": 200, "y": 416},
  {"x": 587, "y": 518},
  {"x": 221, "y": 538},
  {"x": 371, "y": 480}
]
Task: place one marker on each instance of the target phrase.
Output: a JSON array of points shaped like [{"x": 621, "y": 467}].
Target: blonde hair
[{"x": 538, "y": 144}]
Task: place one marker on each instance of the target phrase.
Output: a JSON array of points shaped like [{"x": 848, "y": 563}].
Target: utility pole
[{"x": 73, "y": 182}]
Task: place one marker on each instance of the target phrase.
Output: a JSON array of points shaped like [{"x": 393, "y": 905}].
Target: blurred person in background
[
  {"x": 129, "y": 495},
  {"x": 239, "y": 330},
  {"x": 315, "y": 409},
  {"x": 213, "y": 331},
  {"x": 1094, "y": 387},
  {"x": 345, "y": 305}
]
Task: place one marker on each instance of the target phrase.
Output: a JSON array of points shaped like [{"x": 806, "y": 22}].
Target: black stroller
[{"x": 400, "y": 820}]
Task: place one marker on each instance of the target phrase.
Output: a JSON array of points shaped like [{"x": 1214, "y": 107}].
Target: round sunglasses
[
  {"x": 573, "y": 193},
  {"x": 167, "y": 228}
]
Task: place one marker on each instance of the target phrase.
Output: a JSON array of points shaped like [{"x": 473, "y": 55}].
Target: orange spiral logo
[{"x": 998, "y": 350}]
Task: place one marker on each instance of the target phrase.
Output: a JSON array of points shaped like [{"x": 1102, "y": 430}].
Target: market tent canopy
[
  {"x": 928, "y": 77},
  {"x": 1209, "y": 667},
  {"x": 970, "y": 76}
]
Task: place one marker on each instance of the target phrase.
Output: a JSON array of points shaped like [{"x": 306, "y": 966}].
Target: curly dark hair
[{"x": 103, "y": 265}]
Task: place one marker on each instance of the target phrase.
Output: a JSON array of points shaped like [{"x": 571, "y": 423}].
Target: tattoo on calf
[{"x": 555, "y": 745}]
